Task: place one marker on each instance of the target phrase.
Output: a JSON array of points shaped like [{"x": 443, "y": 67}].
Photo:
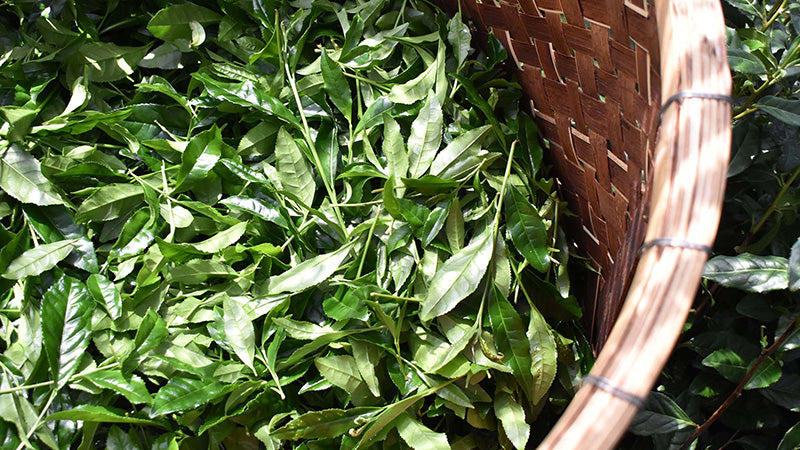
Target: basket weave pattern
[{"x": 591, "y": 71}]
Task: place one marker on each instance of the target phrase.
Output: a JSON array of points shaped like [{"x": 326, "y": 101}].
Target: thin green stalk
[
  {"x": 504, "y": 185},
  {"x": 776, "y": 13},
  {"x": 38, "y": 422},
  {"x": 310, "y": 142},
  {"x": 394, "y": 297},
  {"x": 369, "y": 239},
  {"x": 774, "y": 205}
]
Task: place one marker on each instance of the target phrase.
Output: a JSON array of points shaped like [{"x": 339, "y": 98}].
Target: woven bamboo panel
[{"x": 591, "y": 71}]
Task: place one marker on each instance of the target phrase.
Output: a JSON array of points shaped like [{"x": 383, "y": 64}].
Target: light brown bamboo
[{"x": 686, "y": 200}]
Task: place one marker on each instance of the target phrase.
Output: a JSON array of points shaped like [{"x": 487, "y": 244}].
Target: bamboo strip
[{"x": 686, "y": 201}]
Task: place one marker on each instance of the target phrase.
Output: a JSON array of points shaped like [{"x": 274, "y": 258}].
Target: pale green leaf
[
  {"x": 458, "y": 277},
  {"x": 39, "y": 259}
]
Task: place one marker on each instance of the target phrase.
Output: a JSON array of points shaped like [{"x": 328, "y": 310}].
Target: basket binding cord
[{"x": 610, "y": 387}]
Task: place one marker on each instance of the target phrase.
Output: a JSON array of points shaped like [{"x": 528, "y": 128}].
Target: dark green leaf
[
  {"x": 748, "y": 272},
  {"x": 181, "y": 394},
  {"x": 745, "y": 62},
  {"x": 199, "y": 158},
  {"x": 239, "y": 331},
  {"x": 794, "y": 267},
  {"x": 426, "y": 136},
  {"x": 105, "y": 293},
  {"x": 785, "y": 110},
  {"x": 767, "y": 374},
  {"x": 660, "y": 415},
  {"x": 511, "y": 340},
  {"x": 175, "y": 22},
  {"x": 528, "y": 230},
  {"x": 131, "y": 387},
  {"x": 66, "y": 332},
  {"x": 791, "y": 440},
  {"x": 728, "y": 363},
  {"x": 336, "y": 85}
]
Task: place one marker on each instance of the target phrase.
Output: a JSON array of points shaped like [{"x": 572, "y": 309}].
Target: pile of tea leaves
[{"x": 240, "y": 224}]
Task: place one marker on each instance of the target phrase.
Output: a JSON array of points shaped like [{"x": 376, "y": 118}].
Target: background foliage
[{"x": 734, "y": 379}]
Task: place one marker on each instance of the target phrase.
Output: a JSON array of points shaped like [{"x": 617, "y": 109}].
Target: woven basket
[{"x": 595, "y": 72}]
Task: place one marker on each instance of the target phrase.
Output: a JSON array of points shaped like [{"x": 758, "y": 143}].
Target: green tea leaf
[
  {"x": 394, "y": 150},
  {"x": 794, "y": 267},
  {"x": 326, "y": 423},
  {"x": 340, "y": 370},
  {"x": 336, "y": 86},
  {"x": 745, "y": 62},
  {"x": 728, "y": 363},
  {"x": 458, "y": 277},
  {"x": 105, "y": 293},
  {"x": 785, "y": 110},
  {"x": 239, "y": 331},
  {"x": 748, "y": 272},
  {"x": 660, "y": 415},
  {"x": 39, "y": 259},
  {"x": 766, "y": 375},
  {"x": 309, "y": 273},
  {"x": 293, "y": 169},
  {"x": 66, "y": 331},
  {"x": 543, "y": 355},
  {"x": 21, "y": 177},
  {"x": 131, "y": 387},
  {"x": 512, "y": 416},
  {"x": 110, "y": 202},
  {"x": 222, "y": 240},
  {"x": 175, "y": 22},
  {"x": 459, "y": 148},
  {"x": 528, "y": 230},
  {"x": 426, "y": 136},
  {"x": 791, "y": 440},
  {"x": 418, "y": 88},
  {"x": 511, "y": 340},
  {"x": 199, "y": 158},
  {"x": 458, "y": 36},
  {"x": 181, "y": 394},
  {"x": 420, "y": 437}
]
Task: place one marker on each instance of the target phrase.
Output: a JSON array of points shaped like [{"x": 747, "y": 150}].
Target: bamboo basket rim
[{"x": 691, "y": 151}]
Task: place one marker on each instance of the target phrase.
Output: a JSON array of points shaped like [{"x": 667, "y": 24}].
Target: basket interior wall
[{"x": 590, "y": 69}]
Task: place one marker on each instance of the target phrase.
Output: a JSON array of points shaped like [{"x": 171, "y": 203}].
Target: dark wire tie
[
  {"x": 672, "y": 242},
  {"x": 691, "y": 94},
  {"x": 608, "y": 386}
]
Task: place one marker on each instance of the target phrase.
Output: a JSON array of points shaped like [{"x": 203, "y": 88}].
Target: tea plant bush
[{"x": 734, "y": 380}]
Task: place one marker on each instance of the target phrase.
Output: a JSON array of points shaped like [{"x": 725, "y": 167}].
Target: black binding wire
[
  {"x": 672, "y": 242},
  {"x": 608, "y": 386},
  {"x": 692, "y": 94}
]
